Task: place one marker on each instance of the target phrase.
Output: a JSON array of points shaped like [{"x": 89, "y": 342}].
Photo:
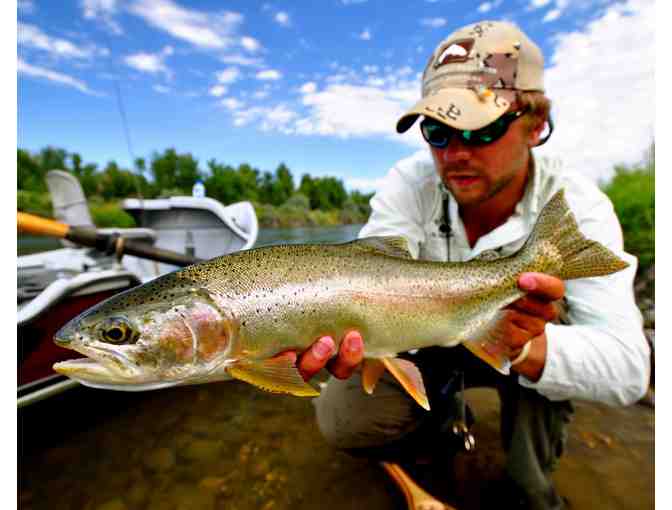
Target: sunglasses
[{"x": 439, "y": 135}]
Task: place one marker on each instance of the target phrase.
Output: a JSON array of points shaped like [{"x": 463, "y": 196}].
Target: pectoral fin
[
  {"x": 410, "y": 379},
  {"x": 277, "y": 375},
  {"x": 372, "y": 370}
]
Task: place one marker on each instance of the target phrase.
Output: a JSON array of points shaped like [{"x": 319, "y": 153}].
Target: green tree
[
  {"x": 52, "y": 158},
  {"x": 324, "y": 193},
  {"x": 249, "y": 181},
  {"x": 117, "y": 183},
  {"x": 223, "y": 183},
  {"x": 171, "y": 171},
  {"x": 266, "y": 188},
  {"x": 90, "y": 179},
  {"x": 76, "y": 164},
  {"x": 306, "y": 188},
  {"x": 283, "y": 187},
  {"x": 29, "y": 173}
]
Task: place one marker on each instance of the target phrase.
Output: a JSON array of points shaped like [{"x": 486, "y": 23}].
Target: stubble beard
[{"x": 492, "y": 188}]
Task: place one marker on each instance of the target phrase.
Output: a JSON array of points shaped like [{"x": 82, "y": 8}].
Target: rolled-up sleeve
[{"x": 603, "y": 354}]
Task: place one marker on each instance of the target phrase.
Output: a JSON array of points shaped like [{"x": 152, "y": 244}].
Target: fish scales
[
  {"x": 281, "y": 305},
  {"x": 231, "y": 316}
]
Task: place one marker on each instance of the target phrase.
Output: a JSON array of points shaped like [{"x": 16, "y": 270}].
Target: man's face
[{"x": 474, "y": 174}]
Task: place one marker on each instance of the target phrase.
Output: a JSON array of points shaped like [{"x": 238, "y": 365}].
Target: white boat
[{"x": 55, "y": 286}]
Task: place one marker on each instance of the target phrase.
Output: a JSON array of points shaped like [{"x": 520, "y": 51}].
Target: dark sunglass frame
[{"x": 439, "y": 135}]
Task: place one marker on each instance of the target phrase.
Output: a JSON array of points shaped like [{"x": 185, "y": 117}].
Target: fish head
[{"x": 167, "y": 332}]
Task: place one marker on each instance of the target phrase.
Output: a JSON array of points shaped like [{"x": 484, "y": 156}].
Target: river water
[{"x": 230, "y": 446}]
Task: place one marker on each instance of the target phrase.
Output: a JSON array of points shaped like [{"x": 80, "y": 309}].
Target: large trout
[{"x": 230, "y": 316}]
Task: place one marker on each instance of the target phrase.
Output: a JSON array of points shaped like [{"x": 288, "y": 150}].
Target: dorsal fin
[{"x": 394, "y": 246}]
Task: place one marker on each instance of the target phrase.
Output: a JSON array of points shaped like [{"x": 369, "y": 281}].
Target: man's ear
[{"x": 535, "y": 132}]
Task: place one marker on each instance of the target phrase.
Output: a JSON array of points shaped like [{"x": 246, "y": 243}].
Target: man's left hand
[{"x": 526, "y": 320}]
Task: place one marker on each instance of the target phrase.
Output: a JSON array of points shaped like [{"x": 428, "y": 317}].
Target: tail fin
[{"x": 580, "y": 256}]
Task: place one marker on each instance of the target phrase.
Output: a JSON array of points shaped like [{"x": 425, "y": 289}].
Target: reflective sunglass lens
[{"x": 435, "y": 134}]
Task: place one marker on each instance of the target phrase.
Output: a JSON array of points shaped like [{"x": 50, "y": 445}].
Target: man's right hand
[{"x": 319, "y": 356}]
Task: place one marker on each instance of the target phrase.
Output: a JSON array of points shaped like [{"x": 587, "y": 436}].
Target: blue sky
[{"x": 317, "y": 85}]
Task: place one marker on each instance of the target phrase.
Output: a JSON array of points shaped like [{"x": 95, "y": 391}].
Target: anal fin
[
  {"x": 486, "y": 344},
  {"x": 277, "y": 375},
  {"x": 372, "y": 370},
  {"x": 497, "y": 361},
  {"x": 410, "y": 378}
]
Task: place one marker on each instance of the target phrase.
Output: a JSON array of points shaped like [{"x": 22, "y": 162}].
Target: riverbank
[{"x": 293, "y": 213}]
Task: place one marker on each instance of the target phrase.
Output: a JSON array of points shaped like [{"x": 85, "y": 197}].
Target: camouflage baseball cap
[{"x": 471, "y": 78}]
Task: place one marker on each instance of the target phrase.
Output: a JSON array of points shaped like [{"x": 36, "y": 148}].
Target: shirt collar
[{"x": 517, "y": 226}]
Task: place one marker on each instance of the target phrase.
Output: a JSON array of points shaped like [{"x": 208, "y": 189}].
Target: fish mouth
[{"x": 100, "y": 366}]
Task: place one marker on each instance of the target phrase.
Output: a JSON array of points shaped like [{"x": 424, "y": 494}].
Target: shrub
[
  {"x": 34, "y": 202},
  {"x": 110, "y": 214},
  {"x": 632, "y": 191}
]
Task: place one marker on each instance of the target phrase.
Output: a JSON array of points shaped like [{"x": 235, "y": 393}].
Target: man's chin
[{"x": 467, "y": 197}]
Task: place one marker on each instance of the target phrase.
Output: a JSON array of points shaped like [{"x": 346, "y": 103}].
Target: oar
[
  {"x": 416, "y": 497},
  {"x": 106, "y": 243}
]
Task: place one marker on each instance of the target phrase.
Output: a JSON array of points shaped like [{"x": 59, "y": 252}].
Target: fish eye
[{"x": 117, "y": 331}]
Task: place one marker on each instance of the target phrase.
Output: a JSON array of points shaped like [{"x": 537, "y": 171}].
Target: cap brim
[{"x": 459, "y": 108}]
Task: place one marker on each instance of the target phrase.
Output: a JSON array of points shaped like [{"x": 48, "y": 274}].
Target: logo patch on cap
[{"x": 456, "y": 52}]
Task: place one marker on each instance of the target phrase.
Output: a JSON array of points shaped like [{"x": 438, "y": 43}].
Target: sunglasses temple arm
[{"x": 550, "y": 131}]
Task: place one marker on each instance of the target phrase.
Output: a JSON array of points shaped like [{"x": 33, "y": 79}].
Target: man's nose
[{"x": 454, "y": 152}]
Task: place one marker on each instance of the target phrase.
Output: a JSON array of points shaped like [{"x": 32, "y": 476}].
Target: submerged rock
[
  {"x": 114, "y": 504},
  {"x": 202, "y": 450},
  {"x": 161, "y": 459}
]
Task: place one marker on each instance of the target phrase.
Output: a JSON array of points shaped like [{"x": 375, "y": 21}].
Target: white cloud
[
  {"x": 103, "y": 11},
  {"x": 26, "y": 6},
  {"x": 241, "y": 60},
  {"x": 269, "y": 74},
  {"x": 375, "y": 82},
  {"x": 250, "y": 44},
  {"x": 218, "y": 90},
  {"x": 207, "y": 30},
  {"x": 488, "y": 6},
  {"x": 228, "y": 75},
  {"x": 152, "y": 63},
  {"x": 56, "y": 77},
  {"x": 161, "y": 89},
  {"x": 405, "y": 71},
  {"x": 232, "y": 103},
  {"x": 365, "y": 35},
  {"x": 552, "y": 15},
  {"x": 536, "y": 4},
  {"x": 308, "y": 88},
  {"x": 261, "y": 94},
  {"x": 345, "y": 110},
  {"x": 434, "y": 22},
  {"x": 370, "y": 69},
  {"x": 363, "y": 184},
  {"x": 603, "y": 89},
  {"x": 282, "y": 18},
  {"x": 31, "y": 36},
  {"x": 277, "y": 118}
]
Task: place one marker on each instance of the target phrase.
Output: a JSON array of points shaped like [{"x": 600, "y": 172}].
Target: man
[{"x": 479, "y": 195}]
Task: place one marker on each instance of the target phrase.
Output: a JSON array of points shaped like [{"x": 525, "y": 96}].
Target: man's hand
[
  {"x": 319, "y": 355},
  {"x": 526, "y": 320}
]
